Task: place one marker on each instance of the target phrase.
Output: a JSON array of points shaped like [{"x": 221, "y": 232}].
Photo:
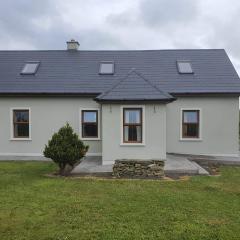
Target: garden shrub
[{"x": 65, "y": 149}]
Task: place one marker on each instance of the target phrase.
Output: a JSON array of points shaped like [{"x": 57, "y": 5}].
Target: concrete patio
[
  {"x": 177, "y": 164},
  {"x": 92, "y": 165},
  {"x": 174, "y": 164}
]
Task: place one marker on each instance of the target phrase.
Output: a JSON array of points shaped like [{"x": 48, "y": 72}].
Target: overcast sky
[{"x": 121, "y": 24}]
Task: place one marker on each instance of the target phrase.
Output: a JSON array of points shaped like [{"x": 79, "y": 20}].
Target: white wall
[
  {"x": 47, "y": 116},
  {"x": 155, "y": 134},
  {"x": 219, "y": 126}
]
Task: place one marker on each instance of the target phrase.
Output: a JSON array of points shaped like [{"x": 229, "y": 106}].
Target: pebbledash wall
[
  {"x": 154, "y": 133},
  {"x": 162, "y": 125},
  {"x": 48, "y": 114},
  {"x": 219, "y": 118}
]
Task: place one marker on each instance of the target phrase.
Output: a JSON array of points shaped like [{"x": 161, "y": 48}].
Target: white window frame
[
  {"x": 12, "y": 138},
  {"x": 122, "y": 143},
  {"x": 200, "y": 124},
  {"x": 80, "y": 124}
]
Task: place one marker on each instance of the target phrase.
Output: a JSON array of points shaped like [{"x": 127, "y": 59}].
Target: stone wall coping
[{"x": 141, "y": 160}]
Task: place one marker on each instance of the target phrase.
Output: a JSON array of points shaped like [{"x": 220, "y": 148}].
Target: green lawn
[{"x": 33, "y": 206}]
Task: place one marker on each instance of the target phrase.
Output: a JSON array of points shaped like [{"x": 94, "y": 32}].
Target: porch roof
[{"x": 134, "y": 87}]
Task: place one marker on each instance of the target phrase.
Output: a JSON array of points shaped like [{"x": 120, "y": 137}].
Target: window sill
[
  {"x": 91, "y": 139},
  {"x": 133, "y": 144},
  {"x": 190, "y": 139},
  {"x": 20, "y": 139}
]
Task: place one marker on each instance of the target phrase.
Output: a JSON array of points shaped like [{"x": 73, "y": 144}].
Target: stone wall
[{"x": 128, "y": 168}]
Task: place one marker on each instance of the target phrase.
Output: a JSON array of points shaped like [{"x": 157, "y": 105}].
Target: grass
[{"x": 33, "y": 206}]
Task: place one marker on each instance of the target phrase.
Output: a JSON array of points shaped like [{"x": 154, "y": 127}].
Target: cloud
[
  {"x": 163, "y": 12},
  {"x": 98, "y": 39},
  {"x": 27, "y": 22},
  {"x": 224, "y": 30},
  {"x": 122, "y": 19}
]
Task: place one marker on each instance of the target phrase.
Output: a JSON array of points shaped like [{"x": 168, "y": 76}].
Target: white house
[{"x": 123, "y": 104}]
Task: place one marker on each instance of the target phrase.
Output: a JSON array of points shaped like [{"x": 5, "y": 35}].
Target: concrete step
[
  {"x": 92, "y": 168},
  {"x": 181, "y": 172},
  {"x": 179, "y": 165},
  {"x": 201, "y": 171},
  {"x": 93, "y": 174},
  {"x": 102, "y": 169}
]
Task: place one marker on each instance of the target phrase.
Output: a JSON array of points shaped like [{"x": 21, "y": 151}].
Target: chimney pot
[{"x": 72, "y": 45}]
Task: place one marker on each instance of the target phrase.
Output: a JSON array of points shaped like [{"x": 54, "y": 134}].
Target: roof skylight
[
  {"x": 106, "y": 68},
  {"x": 184, "y": 67},
  {"x": 30, "y": 68}
]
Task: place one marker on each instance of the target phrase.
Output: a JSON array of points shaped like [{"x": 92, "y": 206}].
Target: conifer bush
[{"x": 65, "y": 149}]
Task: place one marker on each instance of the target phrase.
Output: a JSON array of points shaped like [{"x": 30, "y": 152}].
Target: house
[{"x": 123, "y": 104}]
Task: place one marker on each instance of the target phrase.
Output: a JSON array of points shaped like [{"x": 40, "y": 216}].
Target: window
[
  {"x": 106, "y": 68},
  {"x": 132, "y": 125},
  {"x": 190, "y": 123},
  {"x": 89, "y": 123},
  {"x": 184, "y": 67},
  {"x": 30, "y": 68},
  {"x": 21, "y": 123}
]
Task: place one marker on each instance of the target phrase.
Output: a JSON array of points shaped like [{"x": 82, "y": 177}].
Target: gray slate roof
[
  {"x": 134, "y": 87},
  {"x": 77, "y": 72}
]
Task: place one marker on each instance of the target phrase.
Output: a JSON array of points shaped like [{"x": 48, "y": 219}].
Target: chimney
[{"x": 72, "y": 45}]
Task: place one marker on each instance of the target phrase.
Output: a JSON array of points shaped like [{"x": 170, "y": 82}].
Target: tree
[{"x": 65, "y": 149}]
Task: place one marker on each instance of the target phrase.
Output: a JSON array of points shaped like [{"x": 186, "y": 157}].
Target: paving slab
[
  {"x": 92, "y": 165},
  {"x": 231, "y": 161},
  {"x": 180, "y": 165}
]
